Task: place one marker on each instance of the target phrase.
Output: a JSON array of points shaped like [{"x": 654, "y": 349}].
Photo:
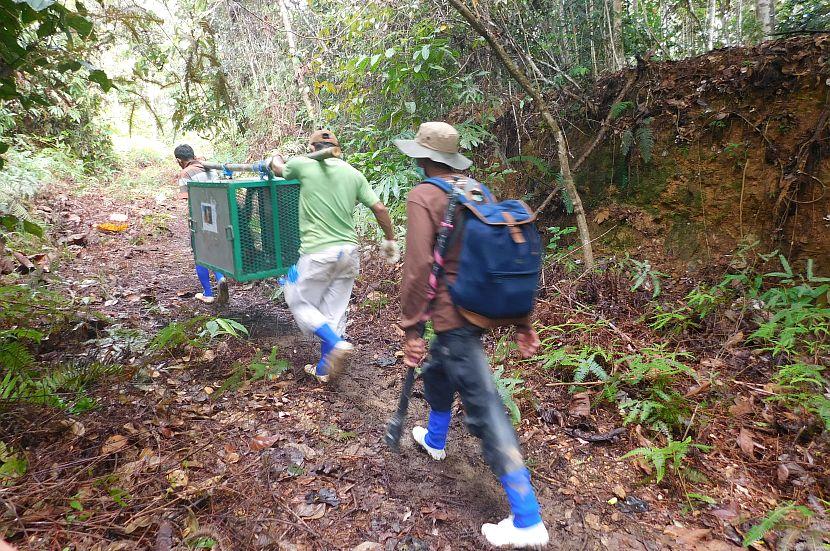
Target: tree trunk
[
  {"x": 617, "y": 20},
  {"x": 295, "y": 60},
  {"x": 579, "y": 212},
  {"x": 710, "y": 25},
  {"x": 740, "y": 22},
  {"x": 765, "y": 12}
]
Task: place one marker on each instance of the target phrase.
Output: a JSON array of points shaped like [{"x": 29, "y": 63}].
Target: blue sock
[
  {"x": 437, "y": 427},
  {"x": 219, "y": 277},
  {"x": 324, "y": 351},
  {"x": 204, "y": 278},
  {"x": 327, "y": 335},
  {"x": 522, "y": 498}
]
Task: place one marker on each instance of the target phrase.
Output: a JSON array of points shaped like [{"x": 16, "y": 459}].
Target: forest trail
[{"x": 169, "y": 446}]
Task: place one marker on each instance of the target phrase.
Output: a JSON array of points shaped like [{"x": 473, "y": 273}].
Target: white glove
[{"x": 391, "y": 251}]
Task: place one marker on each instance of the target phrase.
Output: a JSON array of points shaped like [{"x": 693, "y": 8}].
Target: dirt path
[{"x": 183, "y": 453}]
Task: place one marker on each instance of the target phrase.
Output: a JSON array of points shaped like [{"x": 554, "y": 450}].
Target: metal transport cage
[{"x": 245, "y": 229}]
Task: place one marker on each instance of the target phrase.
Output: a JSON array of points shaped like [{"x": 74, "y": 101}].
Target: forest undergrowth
[{"x": 701, "y": 400}]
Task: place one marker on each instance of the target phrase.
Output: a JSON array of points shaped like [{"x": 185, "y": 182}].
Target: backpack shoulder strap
[{"x": 445, "y": 186}]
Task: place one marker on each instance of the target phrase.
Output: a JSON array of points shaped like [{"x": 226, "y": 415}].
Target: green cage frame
[{"x": 284, "y": 259}]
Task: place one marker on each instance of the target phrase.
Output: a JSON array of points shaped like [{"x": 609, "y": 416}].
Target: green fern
[
  {"x": 178, "y": 334},
  {"x": 775, "y": 518},
  {"x": 619, "y": 108},
  {"x": 670, "y": 456},
  {"x": 508, "y": 388},
  {"x": 645, "y": 139},
  {"x": 643, "y": 136}
]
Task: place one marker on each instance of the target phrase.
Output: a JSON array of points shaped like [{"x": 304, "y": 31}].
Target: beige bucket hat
[{"x": 437, "y": 141}]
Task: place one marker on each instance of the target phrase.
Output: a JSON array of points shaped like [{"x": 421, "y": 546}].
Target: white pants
[{"x": 321, "y": 292}]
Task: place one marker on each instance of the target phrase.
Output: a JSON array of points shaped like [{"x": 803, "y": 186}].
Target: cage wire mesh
[
  {"x": 288, "y": 201},
  {"x": 256, "y": 229}
]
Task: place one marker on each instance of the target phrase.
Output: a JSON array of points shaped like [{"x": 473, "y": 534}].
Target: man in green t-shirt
[{"x": 318, "y": 289}]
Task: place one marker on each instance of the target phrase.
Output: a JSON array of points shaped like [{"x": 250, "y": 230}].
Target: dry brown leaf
[
  {"x": 734, "y": 340},
  {"x": 137, "y": 522},
  {"x": 716, "y": 545},
  {"x": 307, "y": 452},
  {"x": 114, "y": 443},
  {"x": 697, "y": 389},
  {"x": 580, "y": 405},
  {"x": 728, "y": 513},
  {"x": 746, "y": 442},
  {"x": 743, "y": 406},
  {"x": 602, "y": 216},
  {"x": 783, "y": 473},
  {"x": 262, "y": 441},
  {"x": 204, "y": 486},
  {"x": 687, "y": 537},
  {"x": 75, "y": 427},
  {"x": 642, "y": 440},
  {"x": 178, "y": 479},
  {"x": 26, "y": 265},
  {"x": 643, "y": 464},
  {"x": 311, "y": 511}
]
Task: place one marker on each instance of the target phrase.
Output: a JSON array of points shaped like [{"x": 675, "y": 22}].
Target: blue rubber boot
[
  {"x": 437, "y": 428},
  {"x": 433, "y": 439},
  {"x": 522, "y": 498},
  {"x": 327, "y": 335},
  {"x": 322, "y": 368},
  {"x": 204, "y": 278}
]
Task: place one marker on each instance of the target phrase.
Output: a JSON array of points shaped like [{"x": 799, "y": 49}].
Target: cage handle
[{"x": 229, "y": 232}]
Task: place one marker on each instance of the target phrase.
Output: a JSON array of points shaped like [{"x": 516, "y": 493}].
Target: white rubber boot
[
  {"x": 311, "y": 370},
  {"x": 504, "y": 534},
  {"x": 420, "y": 435}
]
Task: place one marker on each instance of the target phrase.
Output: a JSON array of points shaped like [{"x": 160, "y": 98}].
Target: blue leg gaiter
[
  {"x": 204, "y": 278},
  {"x": 324, "y": 351},
  {"x": 327, "y": 335},
  {"x": 219, "y": 277},
  {"x": 437, "y": 427},
  {"x": 522, "y": 498}
]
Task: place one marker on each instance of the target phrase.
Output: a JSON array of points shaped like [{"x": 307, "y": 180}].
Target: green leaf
[
  {"x": 79, "y": 23},
  {"x": 100, "y": 77},
  {"x": 410, "y": 107},
  {"x": 425, "y": 52},
  {"x": 390, "y": 52},
  {"x": 32, "y": 228},
  {"x": 375, "y": 59},
  {"x": 701, "y": 497}
]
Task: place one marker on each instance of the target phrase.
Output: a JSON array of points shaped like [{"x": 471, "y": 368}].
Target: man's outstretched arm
[
  {"x": 389, "y": 247},
  {"x": 382, "y": 216}
]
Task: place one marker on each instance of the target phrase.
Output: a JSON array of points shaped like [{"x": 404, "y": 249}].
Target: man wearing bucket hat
[
  {"x": 457, "y": 362},
  {"x": 319, "y": 287}
]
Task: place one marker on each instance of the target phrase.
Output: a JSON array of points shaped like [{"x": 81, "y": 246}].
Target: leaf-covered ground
[{"x": 228, "y": 444}]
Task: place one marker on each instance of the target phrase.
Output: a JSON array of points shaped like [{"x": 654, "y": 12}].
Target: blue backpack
[{"x": 500, "y": 260}]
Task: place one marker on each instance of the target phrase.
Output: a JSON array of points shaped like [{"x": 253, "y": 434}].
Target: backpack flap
[
  {"x": 500, "y": 260},
  {"x": 498, "y": 272}
]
